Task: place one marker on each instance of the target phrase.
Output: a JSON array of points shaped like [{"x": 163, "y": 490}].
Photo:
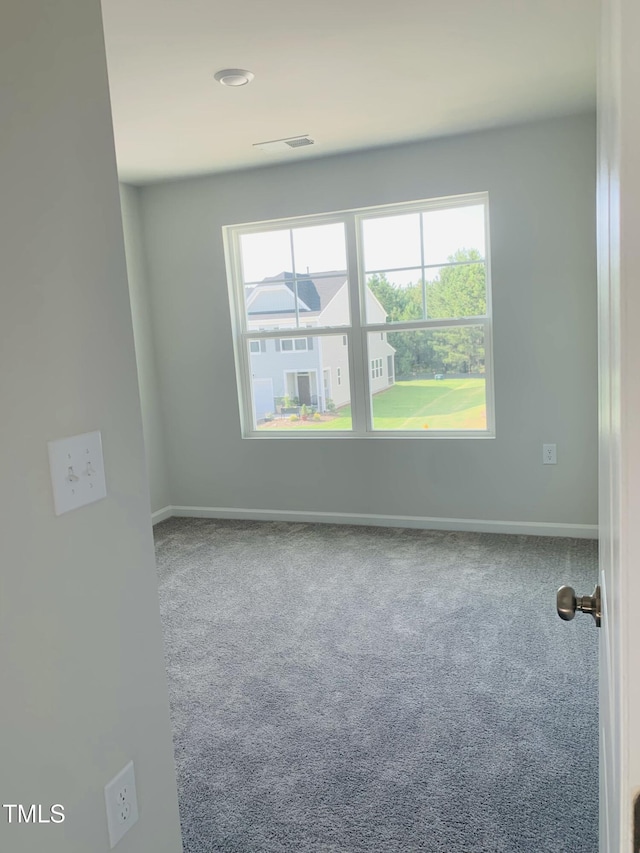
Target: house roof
[{"x": 315, "y": 291}]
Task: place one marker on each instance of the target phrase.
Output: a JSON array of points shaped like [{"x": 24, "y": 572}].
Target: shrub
[
  {"x": 317, "y": 416},
  {"x": 331, "y": 406},
  {"x": 294, "y": 418}
]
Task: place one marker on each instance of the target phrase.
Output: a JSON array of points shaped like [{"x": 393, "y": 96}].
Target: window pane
[
  {"x": 301, "y": 384},
  {"x": 320, "y": 248},
  {"x": 298, "y": 302},
  {"x": 265, "y": 255},
  {"x": 391, "y": 242},
  {"x": 316, "y": 295},
  {"x": 271, "y": 304},
  {"x": 394, "y": 296},
  {"x": 450, "y": 232},
  {"x": 430, "y": 380},
  {"x": 456, "y": 291}
]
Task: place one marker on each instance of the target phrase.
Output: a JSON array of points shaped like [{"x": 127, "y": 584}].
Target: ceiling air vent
[
  {"x": 298, "y": 142},
  {"x": 283, "y": 144}
]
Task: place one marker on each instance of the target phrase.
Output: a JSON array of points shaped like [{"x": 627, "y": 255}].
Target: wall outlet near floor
[
  {"x": 122, "y": 803},
  {"x": 549, "y": 455}
]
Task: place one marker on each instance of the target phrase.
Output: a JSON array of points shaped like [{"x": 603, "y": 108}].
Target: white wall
[
  {"x": 152, "y": 420},
  {"x": 81, "y": 664},
  {"x": 541, "y": 184}
]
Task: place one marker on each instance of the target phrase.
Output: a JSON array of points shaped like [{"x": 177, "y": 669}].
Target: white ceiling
[{"x": 350, "y": 73}]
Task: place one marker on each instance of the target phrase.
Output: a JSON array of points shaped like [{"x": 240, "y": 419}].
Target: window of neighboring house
[
  {"x": 295, "y": 344},
  {"x": 414, "y": 296}
]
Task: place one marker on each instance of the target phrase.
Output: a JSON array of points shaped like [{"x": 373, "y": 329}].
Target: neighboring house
[{"x": 314, "y": 370}]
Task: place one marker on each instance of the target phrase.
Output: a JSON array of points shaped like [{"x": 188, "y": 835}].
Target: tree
[
  {"x": 400, "y": 303},
  {"x": 458, "y": 291}
]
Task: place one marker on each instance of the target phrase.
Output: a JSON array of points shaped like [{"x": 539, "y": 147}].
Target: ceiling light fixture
[{"x": 233, "y": 77}]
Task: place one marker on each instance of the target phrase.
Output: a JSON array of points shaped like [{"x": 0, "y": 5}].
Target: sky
[{"x": 389, "y": 242}]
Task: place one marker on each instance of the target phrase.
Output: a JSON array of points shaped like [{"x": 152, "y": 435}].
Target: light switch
[{"x": 77, "y": 471}]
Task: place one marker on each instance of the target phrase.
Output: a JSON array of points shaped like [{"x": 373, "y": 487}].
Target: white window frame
[{"x": 356, "y": 333}]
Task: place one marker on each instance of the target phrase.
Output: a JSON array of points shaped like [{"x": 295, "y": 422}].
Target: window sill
[{"x": 395, "y": 434}]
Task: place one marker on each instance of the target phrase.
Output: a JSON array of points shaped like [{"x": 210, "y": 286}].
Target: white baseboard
[
  {"x": 161, "y": 514},
  {"x": 476, "y": 525}
]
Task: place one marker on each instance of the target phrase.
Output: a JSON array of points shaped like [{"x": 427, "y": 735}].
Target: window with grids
[{"x": 370, "y": 322}]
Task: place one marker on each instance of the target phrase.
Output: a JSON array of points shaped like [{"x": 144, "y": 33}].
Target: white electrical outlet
[
  {"x": 77, "y": 471},
  {"x": 549, "y": 456},
  {"x": 122, "y": 803}
]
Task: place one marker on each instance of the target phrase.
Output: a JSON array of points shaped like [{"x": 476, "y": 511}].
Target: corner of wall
[{"x": 145, "y": 347}]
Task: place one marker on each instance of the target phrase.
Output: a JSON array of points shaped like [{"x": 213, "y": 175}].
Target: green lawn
[
  {"x": 431, "y": 404},
  {"x": 436, "y": 404}
]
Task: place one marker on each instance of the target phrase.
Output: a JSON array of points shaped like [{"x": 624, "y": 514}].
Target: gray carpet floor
[{"x": 369, "y": 689}]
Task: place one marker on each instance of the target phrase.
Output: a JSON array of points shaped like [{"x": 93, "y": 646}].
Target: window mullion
[
  {"x": 422, "y": 269},
  {"x": 488, "y": 372},
  {"x": 359, "y": 374},
  {"x": 291, "y": 332},
  {"x": 295, "y": 279},
  {"x": 413, "y": 325}
]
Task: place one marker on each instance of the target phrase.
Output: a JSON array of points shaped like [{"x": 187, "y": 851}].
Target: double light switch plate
[{"x": 77, "y": 471}]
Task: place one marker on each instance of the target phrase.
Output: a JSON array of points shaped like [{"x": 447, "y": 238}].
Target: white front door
[{"x": 619, "y": 374}]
